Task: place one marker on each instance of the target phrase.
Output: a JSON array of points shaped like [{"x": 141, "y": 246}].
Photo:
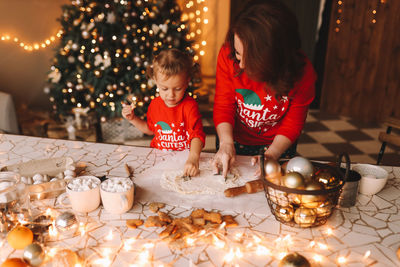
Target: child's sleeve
[
  {"x": 193, "y": 120},
  {"x": 149, "y": 115}
]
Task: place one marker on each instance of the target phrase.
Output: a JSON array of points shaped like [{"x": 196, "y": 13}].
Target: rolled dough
[{"x": 205, "y": 183}]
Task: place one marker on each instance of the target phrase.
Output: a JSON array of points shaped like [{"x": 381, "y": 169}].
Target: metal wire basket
[{"x": 306, "y": 208}]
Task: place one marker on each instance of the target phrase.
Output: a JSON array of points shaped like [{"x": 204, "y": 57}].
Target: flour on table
[{"x": 205, "y": 183}]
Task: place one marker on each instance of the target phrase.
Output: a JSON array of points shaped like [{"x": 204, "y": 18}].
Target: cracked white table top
[{"x": 367, "y": 234}]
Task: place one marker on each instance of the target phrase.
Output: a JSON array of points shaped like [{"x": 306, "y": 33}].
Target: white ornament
[
  {"x": 55, "y": 76},
  {"x": 98, "y": 59},
  {"x": 71, "y": 60},
  {"x": 300, "y": 165},
  {"x": 164, "y": 27},
  {"x": 74, "y": 46},
  {"x": 107, "y": 62},
  {"x": 90, "y": 26},
  {"x": 111, "y": 18},
  {"x": 83, "y": 26},
  {"x": 85, "y": 34},
  {"x": 155, "y": 28}
]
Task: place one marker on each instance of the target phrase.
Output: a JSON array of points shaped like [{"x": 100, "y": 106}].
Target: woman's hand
[
  {"x": 191, "y": 167},
  {"x": 255, "y": 160},
  {"x": 128, "y": 111},
  {"x": 225, "y": 157}
]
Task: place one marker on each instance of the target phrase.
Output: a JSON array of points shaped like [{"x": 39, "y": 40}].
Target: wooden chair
[{"x": 389, "y": 137}]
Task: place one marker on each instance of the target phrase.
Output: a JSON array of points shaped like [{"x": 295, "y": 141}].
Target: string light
[
  {"x": 341, "y": 260},
  {"x": 339, "y": 11},
  {"x": 194, "y": 15},
  {"x": 35, "y": 46},
  {"x": 374, "y": 11},
  {"x": 233, "y": 246}
]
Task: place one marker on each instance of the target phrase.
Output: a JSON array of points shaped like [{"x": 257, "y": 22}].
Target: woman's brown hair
[
  {"x": 271, "y": 42},
  {"x": 171, "y": 62}
]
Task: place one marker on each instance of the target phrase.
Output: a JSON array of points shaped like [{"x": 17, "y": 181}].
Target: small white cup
[
  {"x": 83, "y": 200},
  {"x": 373, "y": 178},
  {"x": 117, "y": 199}
]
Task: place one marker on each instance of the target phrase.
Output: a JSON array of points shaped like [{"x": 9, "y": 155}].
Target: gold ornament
[
  {"x": 302, "y": 166},
  {"x": 305, "y": 217},
  {"x": 327, "y": 178},
  {"x": 294, "y": 260},
  {"x": 275, "y": 179},
  {"x": 295, "y": 199},
  {"x": 293, "y": 180},
  {"x": 285, "y": 213},
  {"x": 324, "y": 209},
  {"x": 34, "y": 254},
  {"x": 313, "y": 201},
  {"x": 398, "y": 253},
  {"x": 284, "y": 166},
  {"x": 272, "y": 168}
]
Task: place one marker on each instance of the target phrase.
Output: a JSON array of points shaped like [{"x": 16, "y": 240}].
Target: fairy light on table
[{"x": 233, "y": 245}]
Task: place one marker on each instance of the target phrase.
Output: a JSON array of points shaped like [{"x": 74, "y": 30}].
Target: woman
[{"x": 264, "y": 84}]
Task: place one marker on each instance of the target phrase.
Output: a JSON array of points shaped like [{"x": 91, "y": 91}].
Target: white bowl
[{"x": 373, "y": 178}]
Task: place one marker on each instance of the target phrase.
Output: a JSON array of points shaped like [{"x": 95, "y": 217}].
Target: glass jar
[{"x": 14, "y": 200}]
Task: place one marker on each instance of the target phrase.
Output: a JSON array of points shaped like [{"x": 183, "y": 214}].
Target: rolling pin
[{"x": 249, "y": 188}]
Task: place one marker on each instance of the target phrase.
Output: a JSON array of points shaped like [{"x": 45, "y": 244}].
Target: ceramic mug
[
  {"x": 373, "y": 178},
  {"x": 117, "y": 195},
  {"x": 83, "y": 193}
]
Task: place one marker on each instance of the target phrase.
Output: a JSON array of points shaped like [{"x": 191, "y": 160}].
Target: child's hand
[
  {"x": 191, "y": 168},
  {"x": 128, "y": 111}
]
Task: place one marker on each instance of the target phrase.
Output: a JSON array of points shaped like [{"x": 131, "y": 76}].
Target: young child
[{"x": 173, "y": 117}]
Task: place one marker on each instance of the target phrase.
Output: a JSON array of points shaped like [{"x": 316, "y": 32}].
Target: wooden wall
[{"x": 362, "y": 67}]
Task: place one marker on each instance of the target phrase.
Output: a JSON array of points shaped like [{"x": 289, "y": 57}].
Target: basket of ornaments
[{"x": 303, "y": 193}]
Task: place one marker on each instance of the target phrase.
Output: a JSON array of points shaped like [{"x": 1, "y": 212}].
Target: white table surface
[{"x": 367, "y": 234}]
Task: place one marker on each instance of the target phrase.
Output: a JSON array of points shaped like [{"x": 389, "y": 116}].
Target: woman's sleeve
[
  {"x": 195, "y": 125},
  {"x": 224, "y": 101},
  {"x": 301, "y": 97}
]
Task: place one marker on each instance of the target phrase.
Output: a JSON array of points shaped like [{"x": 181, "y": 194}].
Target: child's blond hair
[{"x": 171, "y": 62}]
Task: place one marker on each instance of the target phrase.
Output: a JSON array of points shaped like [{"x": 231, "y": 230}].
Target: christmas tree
[{"x": 105, "y": 49}]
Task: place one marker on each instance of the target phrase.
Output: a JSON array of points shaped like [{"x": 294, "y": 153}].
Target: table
[{"x": 367, "y": 234}]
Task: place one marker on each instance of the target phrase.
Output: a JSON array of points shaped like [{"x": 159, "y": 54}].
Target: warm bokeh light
[{"x": 33, "y": 46}]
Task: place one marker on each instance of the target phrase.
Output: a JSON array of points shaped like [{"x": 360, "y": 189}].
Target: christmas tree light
[{"x": 105, "y": 50}]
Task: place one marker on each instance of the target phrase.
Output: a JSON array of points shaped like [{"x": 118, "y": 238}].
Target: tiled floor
[{"x": 326, "y": 136}]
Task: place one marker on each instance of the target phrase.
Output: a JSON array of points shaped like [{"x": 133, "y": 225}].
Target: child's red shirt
[{"x": 174, "y": 128}]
